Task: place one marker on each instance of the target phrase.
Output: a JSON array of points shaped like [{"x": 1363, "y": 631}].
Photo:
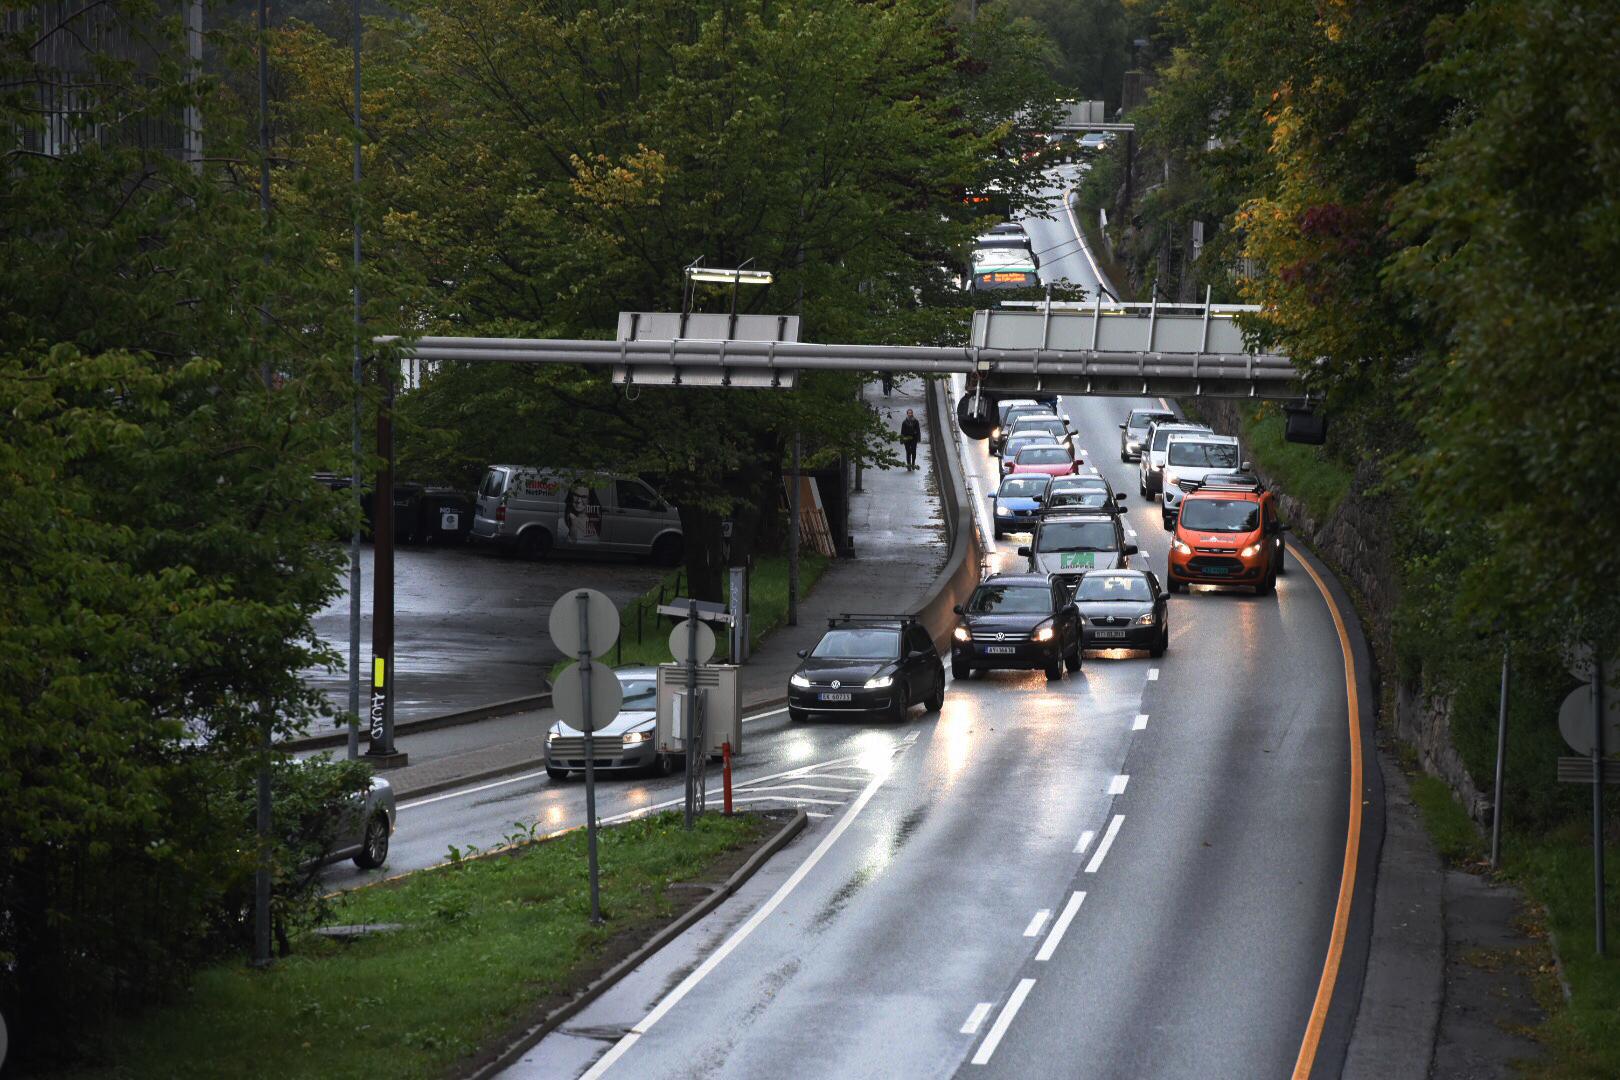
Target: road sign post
[
  {"x": 1590, "y": 723},
  {"x": 1501, "y": 757},
  {"x": 696, "y": 650},
  {"x": 585, "y": 623},
  {"x": 1597, "y": 800}
]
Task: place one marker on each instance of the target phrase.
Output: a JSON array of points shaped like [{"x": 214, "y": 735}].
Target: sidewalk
[{"x": 900, "y": 546}]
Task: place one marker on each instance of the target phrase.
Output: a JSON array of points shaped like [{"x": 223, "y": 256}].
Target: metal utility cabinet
[{"x": 722, "y": 711}]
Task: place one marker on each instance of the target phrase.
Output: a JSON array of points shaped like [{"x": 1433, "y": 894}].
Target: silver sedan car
[
  {"x": 627, "y": 744},
  {"x": 365, "y": 827}
]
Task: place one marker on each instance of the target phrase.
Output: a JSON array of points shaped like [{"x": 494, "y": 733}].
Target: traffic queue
[{"x": 1076, "y": 588}]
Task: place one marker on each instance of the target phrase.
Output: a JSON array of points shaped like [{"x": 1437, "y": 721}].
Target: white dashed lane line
[
  {"x": 1107, "y": 842},
  {"x": 1037, "y": 921},
  {"x": 1049, "y": 946},
  {"x": 1153, "y": 674},
  {"x": 976, "y": 1017},
  {"x": 1003, "y": 1020},
  {"x": 1116, "y": 786},
  {"x": 1140, "y": 722},
  {"x": 1084, "y": 842}
]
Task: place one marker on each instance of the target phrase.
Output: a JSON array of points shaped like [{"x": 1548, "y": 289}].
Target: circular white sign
[
  {"x": 679, "y": 637},
  {"x": 567, "y": 697},
  {"x": 1575, "y": 720},
  {"x": 564, "y": 623}
]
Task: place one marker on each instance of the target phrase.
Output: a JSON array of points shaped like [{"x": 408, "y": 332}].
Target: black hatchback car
[
  {"x": 879, "y": 664},
  {"x": 1017, "y": 621}
]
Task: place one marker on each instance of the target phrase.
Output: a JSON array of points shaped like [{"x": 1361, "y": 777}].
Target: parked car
[
  {"x": 873, "y": 664},
  {"x": 537, "y": 511},
  {"x": 627, "y": 744},
  {"x": 1017, "y": 621}
]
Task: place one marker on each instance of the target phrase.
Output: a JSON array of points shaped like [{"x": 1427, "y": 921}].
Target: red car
[{"x": 1047, "y": 460}]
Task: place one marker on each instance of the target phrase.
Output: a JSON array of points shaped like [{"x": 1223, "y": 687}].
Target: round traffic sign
[
  {"x": 1575, "y": 720},
  {"x": 567, "y": 697},
  {"x": 975, "y": 423},
  {"x": 564, "y": 623},
  {"x": 679, "y": 636}
]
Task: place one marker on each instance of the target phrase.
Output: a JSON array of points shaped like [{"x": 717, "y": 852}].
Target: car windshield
[
  {"x": 1010, "y": 600},
  {"x": 1113, "y": 587},
  {"x": 1161, "y": 437},
  {"x": 1076, "y": 536},
  {"x": 858, "y": 645},
  {"x": 1143, "y": 419},
  {"x": 1202, "y": 455},
  {"x": 1022, "y": 487},
  {"x": 1043, "y": 455},
  {"x": 640, "y": 692},
  {"x": 1220, "y": 515},
  {"x": 1080, "y": 483},
  {"x": 1049, "y": 427},
  {"x": 1084, "y": 499}
]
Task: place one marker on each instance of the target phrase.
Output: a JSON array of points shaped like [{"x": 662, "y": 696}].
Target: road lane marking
[
  {"x": 1003, "y": 1020},
  {"x": 1107, "y": 842},
  {"x": 1037, "y": 921},
  {"x": 1116, "y": 786},
  {"x": 1352, "y": 842},
  {"x": 1163, "y": 404},
  {"x": 1085, "y": 841},
  {"x": 715, "y": 798},
  {"x": 1140, "y": 722},
  {"x": 1153, "y": 674},
  {"x": 1049, "y": 946},
  {"x": 804, "y": 787},
  {"x": 701, "y": 972},
  {"x": 976, "y": 1017}
]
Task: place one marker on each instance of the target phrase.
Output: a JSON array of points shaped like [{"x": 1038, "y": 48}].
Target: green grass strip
[{"x": 484, "y": 942}]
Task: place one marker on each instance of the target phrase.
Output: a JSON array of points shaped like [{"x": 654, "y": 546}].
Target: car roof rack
[
  {"x": 834, "y": 621},
  {"x": 1223, "y": 482}
]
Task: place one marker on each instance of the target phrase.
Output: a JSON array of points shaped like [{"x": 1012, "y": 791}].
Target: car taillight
[{"x": 500, "y": 514}]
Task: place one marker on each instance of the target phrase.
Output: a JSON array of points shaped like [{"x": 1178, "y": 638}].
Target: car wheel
[
  {"x": 1268, "y": 585},
  {"x": 797, "y": 715},
  {"x": 535, "y": 543},
  {"x": 999, "y": 533},
  {"x": 1054, "y": 671},
  {"x": 936, "y": 700},
  {"x": 1141, "y": 488},
  {"x": 1168, "y": 522},
  {"x": 556, "y": 774},
  {"x": 901, "y": 706},
  {"x": 1073, "y": 661},
  {"x": 666, "y": 764},
  {"x": 667, "y": 551},
  {"x": 374, "y": 848},
  {"x": 1161, "y": 644},
  {"x": 1280, "y": 566},
  {"x": 961, "y": 671},
  {"x": 1174, "y": 584}
]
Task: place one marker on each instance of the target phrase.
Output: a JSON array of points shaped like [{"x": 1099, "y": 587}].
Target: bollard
[{"x": 725, "y": 754}]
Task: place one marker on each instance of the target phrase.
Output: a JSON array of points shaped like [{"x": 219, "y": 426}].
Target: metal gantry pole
[
  {"x": 382, "y": 581},
  {"x": 1501, "y": 758},
  {"x": 355, "y": 465},
  {"x": 588, "y": 726},
  {"x": 793, "y": 536},
  {"x": 694, "y": 732}
]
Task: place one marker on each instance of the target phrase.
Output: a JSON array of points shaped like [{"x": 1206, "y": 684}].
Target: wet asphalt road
[
  {"x": 1127, "y": 873},
  {"x": 469, "y": 624}
]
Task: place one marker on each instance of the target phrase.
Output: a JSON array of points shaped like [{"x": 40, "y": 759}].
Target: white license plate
[
  {"x": 1000, "y": 650},
  {"x": 837, "y": 697},
  {"x": 1108, "y": 633},
  {"x": 449, "y": 522}
]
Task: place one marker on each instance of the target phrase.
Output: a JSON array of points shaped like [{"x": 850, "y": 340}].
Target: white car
[
  {"x": 1150, "y": 466},
  {"x": 1193, "y": 457},
  {"x": 629, "y": 743}
]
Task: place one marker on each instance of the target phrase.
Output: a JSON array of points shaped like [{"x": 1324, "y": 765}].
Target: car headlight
[
  {"x": 1044, "y": 634},
  {"x": 1180, "y": 547},
  {"x": 878, "y": 682},
  {"x": 962, "y": 633},
  {"x": 1145, "y": 620},
  {"x": 635, "y": 738},
  {"x": 995, "y": 433},
  {"x": 1172, "y": 479},
  {"x": 799, "y": 680},
  {"x": 553, "y": 736},
  {"x": 1250, "y": 551}
]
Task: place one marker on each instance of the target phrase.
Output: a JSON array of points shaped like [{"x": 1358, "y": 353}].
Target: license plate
[
  {"x": 1000, "y": 650},
  {"x": 1215, "y": 571},
  {"x": 1108, "y": 633},
  {"x": 449, "y": 522},
  {"x": 837, "y": 697}
]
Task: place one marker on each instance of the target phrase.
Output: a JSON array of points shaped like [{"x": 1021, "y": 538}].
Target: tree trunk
[{"x": 705, "y": 569}]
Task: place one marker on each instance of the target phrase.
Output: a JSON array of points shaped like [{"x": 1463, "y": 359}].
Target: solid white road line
[
  {"x": 1153, "y": 674},
  {"x": 1003, "y": 1020},
  {"x": 1140, "y": 721},
  {"x": 702, "y": 971},
  {"x": 716, "y": 798},
  {"x": 976, "y": 1017},
  {"x": 1037, "y": 921},
  {"x": 1084, "y": 842},
  {"x": 1107, "y": 842},
  {"x": 1049, "y": 946},
  {"x": 802, "y": 787},
  {"x": 1116, "y": 786}
]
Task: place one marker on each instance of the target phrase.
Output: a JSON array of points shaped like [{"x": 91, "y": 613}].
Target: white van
[
  {"x": 537, "y": 511},
  {"x": 1193, "y": 457}
]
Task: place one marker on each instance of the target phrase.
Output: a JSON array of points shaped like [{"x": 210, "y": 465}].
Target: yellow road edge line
[{"x": 1352, "y": 844}]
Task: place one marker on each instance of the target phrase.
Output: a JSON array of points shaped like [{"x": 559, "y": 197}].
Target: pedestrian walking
[
  {"x": 888, "y": 382},
  {"x": 910, "y": 436}
]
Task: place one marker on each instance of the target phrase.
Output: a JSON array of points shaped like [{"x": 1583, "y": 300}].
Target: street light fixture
[{"x": 717, "y": 276}]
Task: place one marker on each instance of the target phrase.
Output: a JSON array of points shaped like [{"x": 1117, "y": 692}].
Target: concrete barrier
[{"x": 963, "y": 567}]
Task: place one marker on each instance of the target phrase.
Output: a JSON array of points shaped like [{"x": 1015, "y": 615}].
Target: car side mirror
[
  {"x": 1283, "y": 528},
  {"x": 1122, "y": 427},
  {"x": 1024, "y": 551},
  {"x": 1247, "y": 466},
  {"x": 803, "y": 653},
  {"x": 957, "y": 608},
  {"x": 1119, "y": 496},
  {"x": 1129, "y": 549},
  {"x": 1037, "y": 498}
]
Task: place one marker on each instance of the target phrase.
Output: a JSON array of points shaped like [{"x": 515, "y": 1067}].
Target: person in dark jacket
[{"x": 910, "y": 436}]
